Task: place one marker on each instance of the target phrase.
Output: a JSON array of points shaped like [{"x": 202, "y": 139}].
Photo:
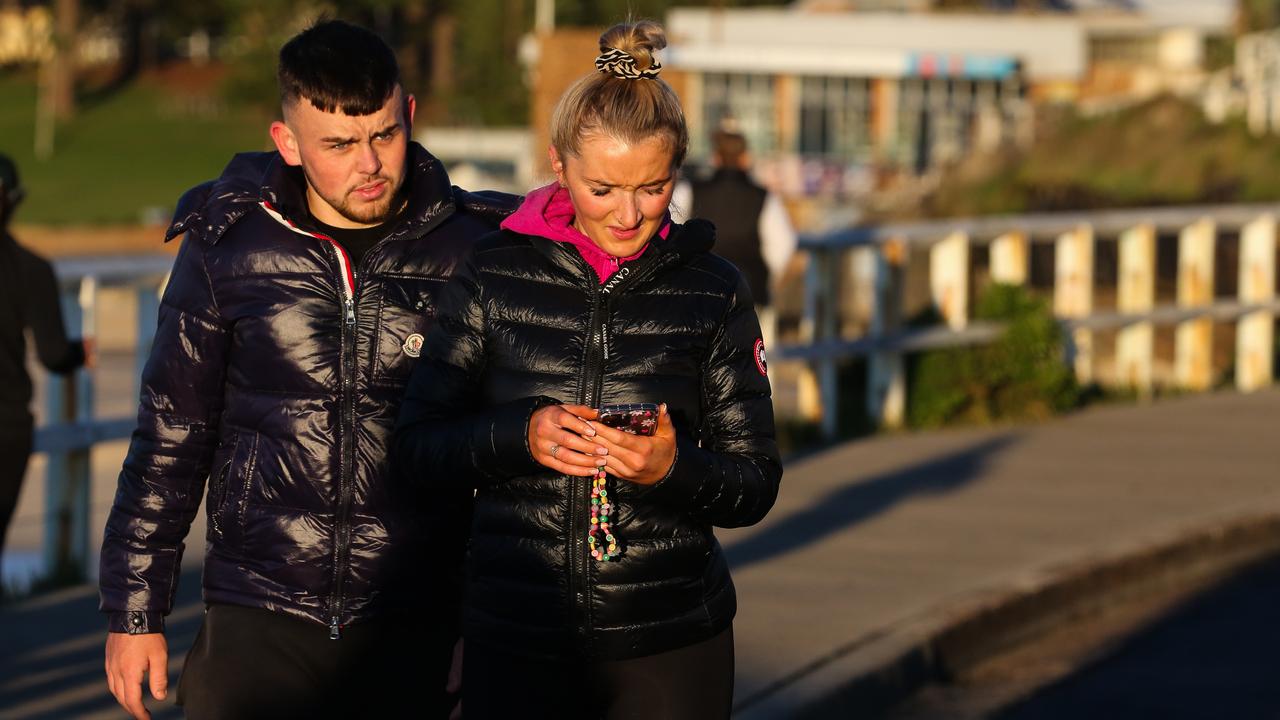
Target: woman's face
[{"x": 620, "y": 191}]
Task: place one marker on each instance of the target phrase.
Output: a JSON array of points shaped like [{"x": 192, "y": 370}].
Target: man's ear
[
  {"x": 286, "y": 142},
  {"x": 410, "y": 106},
  {"x": 557, "y": 165}
]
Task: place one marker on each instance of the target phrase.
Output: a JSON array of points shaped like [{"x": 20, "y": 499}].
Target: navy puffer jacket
[
  {"x": 276, "y": 375},
  {"x": 524, "y": 323}
]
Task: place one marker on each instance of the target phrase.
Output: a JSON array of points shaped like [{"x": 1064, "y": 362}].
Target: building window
[
  {"x": 835, "y": 117},
  {"x": 749, "y": 100}
]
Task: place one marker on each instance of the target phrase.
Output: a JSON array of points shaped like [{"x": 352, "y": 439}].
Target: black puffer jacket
[
  {"x": 277, "y": 373},
  {"x": 525, "y": 323}
]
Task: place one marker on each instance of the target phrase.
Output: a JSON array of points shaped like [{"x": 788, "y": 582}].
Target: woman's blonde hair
[{"x": 632, "y": 105}]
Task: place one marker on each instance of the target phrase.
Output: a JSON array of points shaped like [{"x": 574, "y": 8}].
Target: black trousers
[
  {"x": 15, "y": 451},
  {"x": 693, "y": 683},
  {"x": 248, "y": 663}
]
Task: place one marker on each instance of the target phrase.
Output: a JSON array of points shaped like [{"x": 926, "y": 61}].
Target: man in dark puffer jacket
[{"x": 297, "y": 306}]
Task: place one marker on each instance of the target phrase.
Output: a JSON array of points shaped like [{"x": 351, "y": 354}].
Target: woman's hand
[
  {"x": 637, "y": 458},
  {"x": 560, "y": 438}
]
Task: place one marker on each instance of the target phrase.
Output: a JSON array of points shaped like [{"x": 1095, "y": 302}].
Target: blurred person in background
[
  {"x": 29, "y": 301},
  {"x": 596, "y": 586},
  {"x": 297, "y": 305},
  {"x": 753, "y": 230}
]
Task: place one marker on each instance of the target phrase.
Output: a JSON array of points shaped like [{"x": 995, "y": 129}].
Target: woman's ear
[{"x": 557, "y": 165}]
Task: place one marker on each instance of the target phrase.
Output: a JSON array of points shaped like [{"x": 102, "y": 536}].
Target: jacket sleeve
[
  {"x": 162, "y": 481},
  {"x": 730, "y": 478},
  {"x": 444, "y": 437},
  {"x": 44, "y": 315}
]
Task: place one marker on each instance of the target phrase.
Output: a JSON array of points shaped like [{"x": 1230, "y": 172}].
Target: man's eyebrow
[{"x": 384, "y": 131}]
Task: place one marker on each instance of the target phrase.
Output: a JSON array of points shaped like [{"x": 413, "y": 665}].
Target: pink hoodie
[{"x": 547, "y": 212}]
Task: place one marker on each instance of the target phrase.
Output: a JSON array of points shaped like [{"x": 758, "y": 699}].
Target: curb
[{"x": 872, "y": 673}]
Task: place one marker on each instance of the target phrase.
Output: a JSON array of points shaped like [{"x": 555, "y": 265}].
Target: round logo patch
[
  {"x": 761, "y": 364},
  {"x": 413, "y": 345}
]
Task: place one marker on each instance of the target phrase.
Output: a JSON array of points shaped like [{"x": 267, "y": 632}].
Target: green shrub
[{"x": 1020, "y": 376}]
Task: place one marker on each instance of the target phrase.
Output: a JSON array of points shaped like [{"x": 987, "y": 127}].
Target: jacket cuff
[
  {"x": 683, "y": 481},
  {"x": 135, "y": 622},
  {"x": 507, "y": 444}
]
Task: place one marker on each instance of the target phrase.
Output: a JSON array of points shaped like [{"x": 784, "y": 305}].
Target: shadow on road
[
  {"x": 51, "y": 665},
  {"x": 858, "y": 500}
]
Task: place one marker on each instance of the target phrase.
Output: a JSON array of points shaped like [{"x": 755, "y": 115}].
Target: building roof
[{"x": 874, "y": 44}]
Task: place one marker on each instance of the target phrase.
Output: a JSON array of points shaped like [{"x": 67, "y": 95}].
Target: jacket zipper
[
  {"x": 347, "y": 368},
  {"x": 588, "y": 395},
  {"x": 348, "y": 371},
  {"x": 590, "y": 392}
]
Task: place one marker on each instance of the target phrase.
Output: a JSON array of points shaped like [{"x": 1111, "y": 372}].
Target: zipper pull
[
  {"x": 335, "y": 630},
  {"x": 350, "y": 305}
]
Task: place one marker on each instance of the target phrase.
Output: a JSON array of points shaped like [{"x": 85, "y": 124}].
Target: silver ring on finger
[{"x": 554, "y": 449}]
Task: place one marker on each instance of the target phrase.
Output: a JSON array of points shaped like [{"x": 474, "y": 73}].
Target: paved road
[
  {"x": 1213, "y": 657},
  {"x": 871, "y": 543}
]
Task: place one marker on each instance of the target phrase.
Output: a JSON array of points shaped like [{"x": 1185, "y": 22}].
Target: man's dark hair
[
  {"x": 729, "y": 147},
  {"x": 338, "y": 67}
]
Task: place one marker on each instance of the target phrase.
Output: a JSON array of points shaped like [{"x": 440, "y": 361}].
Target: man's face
[{"x": 354, "y": 164}]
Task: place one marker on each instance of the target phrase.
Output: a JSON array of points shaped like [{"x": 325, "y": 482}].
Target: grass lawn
[
  {"x": 137, "y": 149},
  {"x": 1162, "y": 152}
]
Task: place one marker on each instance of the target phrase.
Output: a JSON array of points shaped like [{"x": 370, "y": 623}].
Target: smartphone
[{"x": 635, "y": 418}]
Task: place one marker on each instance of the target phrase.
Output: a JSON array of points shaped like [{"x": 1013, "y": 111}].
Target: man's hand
[{"x": 129, "y": 658}]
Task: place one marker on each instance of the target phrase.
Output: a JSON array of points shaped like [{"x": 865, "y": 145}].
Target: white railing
[
  {"x": 71, "y": 429},
  {"x": 865, "y": 270}
]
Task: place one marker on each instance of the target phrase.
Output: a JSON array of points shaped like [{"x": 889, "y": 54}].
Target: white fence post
[
  {"x": 1073, "y": 294},
  {"x": 70, "y": 400},
  {"x": 1193, "y": 358},
  {"x": 886, "y": 371},
  {"x": 1256, "y": 331},
  {"x": 1010, "y": 258},
  {"x": 949, "y": 279},
  {"x": 1136, "y": 294},
  {"x": 809, "y": 405}
]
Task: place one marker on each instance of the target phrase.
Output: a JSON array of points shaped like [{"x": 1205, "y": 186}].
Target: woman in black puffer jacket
[{"x": 591, "y": 296}]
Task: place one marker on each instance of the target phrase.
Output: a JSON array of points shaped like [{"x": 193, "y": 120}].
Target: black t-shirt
[{"x": 357, "y": 241}]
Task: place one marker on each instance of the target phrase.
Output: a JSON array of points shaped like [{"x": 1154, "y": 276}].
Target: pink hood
[{"x": 547, "y": 212}]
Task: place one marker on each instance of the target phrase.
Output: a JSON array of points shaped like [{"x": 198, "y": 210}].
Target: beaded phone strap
[{"x": 600, "y": 541}]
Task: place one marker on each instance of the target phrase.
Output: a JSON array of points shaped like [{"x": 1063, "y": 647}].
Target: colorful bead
[{"x": 600, "y": 510}]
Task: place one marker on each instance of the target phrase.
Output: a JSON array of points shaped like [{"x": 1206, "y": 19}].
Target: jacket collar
[{"x": 683, "y": 244}]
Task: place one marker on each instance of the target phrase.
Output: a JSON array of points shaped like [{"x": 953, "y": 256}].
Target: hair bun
[{"x": 638, "y": 40}]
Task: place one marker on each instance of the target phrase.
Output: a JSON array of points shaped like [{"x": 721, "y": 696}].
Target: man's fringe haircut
[{"x": 337, "y": 67}]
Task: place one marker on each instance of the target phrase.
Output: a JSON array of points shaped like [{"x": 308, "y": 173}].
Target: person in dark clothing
[
  {"x": 596, "y": 587},
  {"x": 753, "y": 230},
  {"x": 296, "y": 308},
  {"x": 29, "y": 301}
]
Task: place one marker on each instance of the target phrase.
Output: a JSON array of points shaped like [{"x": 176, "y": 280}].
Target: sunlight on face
[
  {"x": 620, "y": 191},
  {"x": 354, "y": 164}
]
